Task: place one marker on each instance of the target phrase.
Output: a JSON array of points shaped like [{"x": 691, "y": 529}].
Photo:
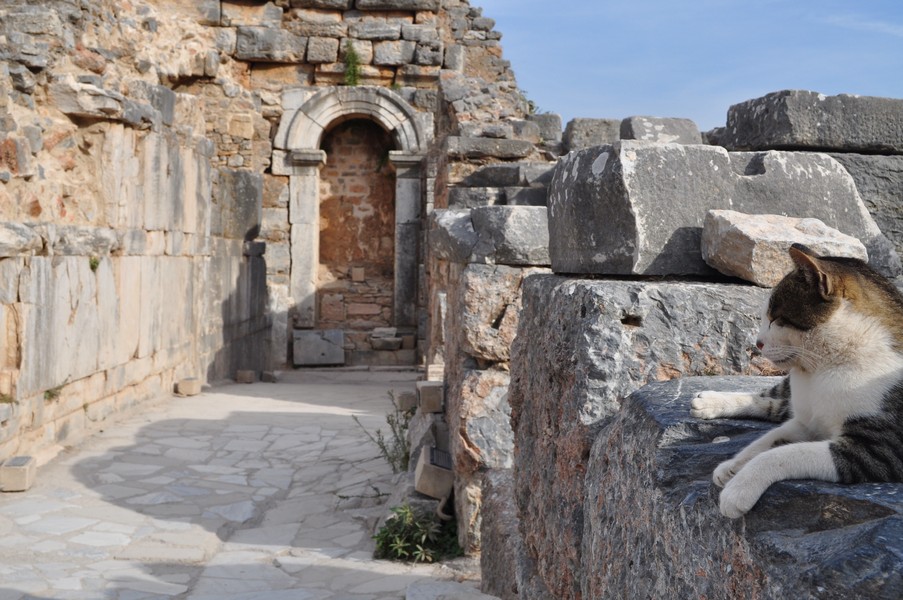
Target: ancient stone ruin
[{"x": 194, "y": 191}]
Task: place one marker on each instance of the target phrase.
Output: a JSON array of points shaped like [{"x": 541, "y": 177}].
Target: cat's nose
[{"x": 759, "y": 344}]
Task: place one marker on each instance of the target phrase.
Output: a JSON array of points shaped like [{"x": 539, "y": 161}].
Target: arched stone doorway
[
  {"x": 309, "y": 115},
  {"x": 357, "y": 229}
]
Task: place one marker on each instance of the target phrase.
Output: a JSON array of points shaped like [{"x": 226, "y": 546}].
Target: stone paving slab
[{"x": 243, "y": 492}]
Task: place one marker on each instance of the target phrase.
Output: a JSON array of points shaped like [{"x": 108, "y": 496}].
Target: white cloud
[{"x": 860, "y": 24}]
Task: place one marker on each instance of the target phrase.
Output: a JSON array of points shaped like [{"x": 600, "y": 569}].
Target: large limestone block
[
  {"x": 651, "y": 514},
  {"x": 637, "y": 208},
  {"x": 754, "y": 247},
  {"x": 582, "y": 347},
  {"x": 397, "y": 4},
  {"x": 501, "y": 541},
  {"x": 240, "y": 194},
  {"x": 16, "y": 239},
  {"x": 58, "y": 322},
  {"x": 486, "y": 301},
  {"x": 266, "y": 44},
  {"x": 795, "y": 119},
  {"x": 506, "y": 235},
  {"x": 659, "y": 129},
  {"x": 586, "y": 133},
  {"x": 879, "y": 180}
]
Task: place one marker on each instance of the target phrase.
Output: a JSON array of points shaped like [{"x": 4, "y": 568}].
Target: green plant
[
  {"x": 53, "y": 393},
  {"x": 93, "y": 262},
  {"x": 395, "y": 449},
  {"x": 6, "y": 399},
  {"x": 413, "y": 536},
  {"x": 352, "y": 65}
]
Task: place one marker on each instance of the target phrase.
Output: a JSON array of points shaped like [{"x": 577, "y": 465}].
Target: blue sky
[{"x": 694, "y": 58}]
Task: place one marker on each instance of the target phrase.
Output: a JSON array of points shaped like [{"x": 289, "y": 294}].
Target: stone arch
[
  {"x": 297, "y": 153},
  {"x": 307, "y": 124}
]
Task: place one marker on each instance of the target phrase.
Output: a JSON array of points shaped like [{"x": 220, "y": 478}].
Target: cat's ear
[{"x": 809, "y": 262}]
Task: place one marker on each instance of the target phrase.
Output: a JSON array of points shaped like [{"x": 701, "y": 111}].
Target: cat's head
[{"x": 827, "y": 306}]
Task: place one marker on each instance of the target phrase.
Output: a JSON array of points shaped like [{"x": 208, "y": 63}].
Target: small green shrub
[
  {"x": 412, "y": 536},
  {"x": 395, "y": 449},
  {"x": 53, "y": 393},
  {"x": 352, "y": 65},
  {"x": 6, "y": 399},
  {"x": 93, "y": 262}
]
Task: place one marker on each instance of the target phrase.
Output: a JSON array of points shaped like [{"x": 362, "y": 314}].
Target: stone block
[
  {"x": 266, "y": 44},
  {"x": 635, "y": 208},
  {"x": 240, "y": 194},
  {"x": 586, "y": 133},
  {"x": 406, "y": 401},
  {"x": 797, "y": 119},
  {"x": 754, "y": 247},
  {"x": 190, "y": 386},
  {"x": 526, "y": 196},
  {"x": 582, "y": 347},
  {"x": 500, "y": 539},
  {"x": 512, "y": 235},
  {"x": 432, "y": 5},
  {"x": 17, "y": 474},
  {"x": 245, "y": 376},
  {"x": 879, "y": 180},
  {"x": 470, "y": 147},
  {"x": 470, "y": 197},
  {"x": 509, "y": 235},
  {"x": 494, "y": 176},
  {"x": 651, "y": 515},
  {"x": 432, "y": 478},
  {"x": 235, "y": 14},
  {"x": 322, "y": 50},
  {"x": 662, "y": 130},
  {"x": 76, "y": 240},
  {"x": 17, "y": 239},
  {"x": 549, "y": 126},
  {"x": 318, "y": 348},
  {"x": 385, "y": 343},
  {"x": 393, "y": 53},
  {"x": 430, "y": 396},
  {"x": 16, "y": 157},
  {"x": 328, "y": 4},
  {"x": 376, "y": 31}
]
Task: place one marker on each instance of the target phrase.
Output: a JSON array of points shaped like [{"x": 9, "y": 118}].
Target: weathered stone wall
[
  {"x": 138, "y": 191},
  {"x": 613, "y": 496}
]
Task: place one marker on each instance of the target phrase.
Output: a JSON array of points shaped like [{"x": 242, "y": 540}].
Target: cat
[{"x": 836, "y": 327}]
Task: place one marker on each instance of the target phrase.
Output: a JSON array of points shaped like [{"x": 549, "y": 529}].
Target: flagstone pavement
[{"x": 244, "y": 492}]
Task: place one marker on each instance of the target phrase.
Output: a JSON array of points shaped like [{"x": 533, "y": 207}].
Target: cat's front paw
[
  {"x": 725, "y": 472},
  {"x": 738, "y": 497},
  {"x": 708, "y": 405}
]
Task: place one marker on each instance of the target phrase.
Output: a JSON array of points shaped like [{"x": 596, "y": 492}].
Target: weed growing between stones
[
  {"x": 53, "y": 393},
  {"x": 93, "y": 263},
  {"x": 352, "y": 65},
  {"x": 395, "y": 449},
  {"x": 413, "y": 536},
  {"x": 6, "y": 399}
]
